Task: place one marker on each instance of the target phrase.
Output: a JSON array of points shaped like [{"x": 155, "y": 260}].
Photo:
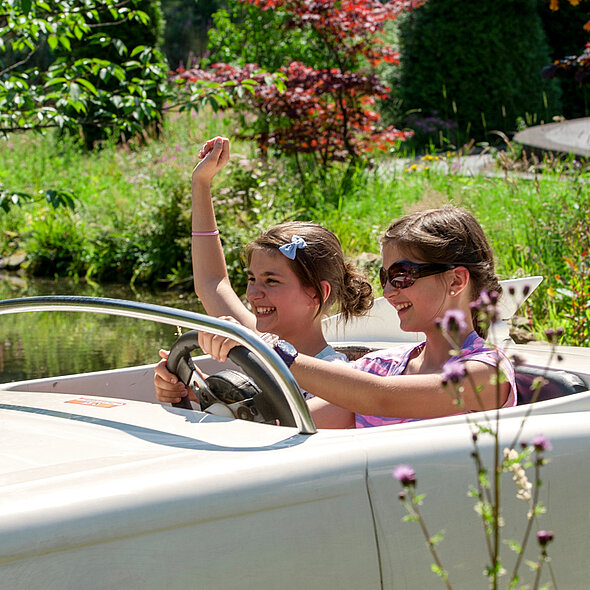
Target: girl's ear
[
  {"x": 326, "y": 290},
  {"x": 459, "y": 280}
]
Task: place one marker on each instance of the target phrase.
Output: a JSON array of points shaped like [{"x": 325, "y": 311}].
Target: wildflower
[
  {"x": 453, "y": 371},
  {"x": 453, "y": 322},
  {"x": 544, "y": 537},
  {"x": 518, "y": 475},
  {"x": 541, "y": 443},
  {"x": 405, "y": 474}
]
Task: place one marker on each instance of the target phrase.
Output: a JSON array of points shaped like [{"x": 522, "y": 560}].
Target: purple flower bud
[
  {"x": 494, "y": 296},
  {"x": 541, "y": 443},
  {"x": 405, "y": 474},
  {"x": 544, "y": 537},
  {"x": 454, "y": 371},
  {"x": 453, "y": 322},
  {"x": 402, "y": 496}
]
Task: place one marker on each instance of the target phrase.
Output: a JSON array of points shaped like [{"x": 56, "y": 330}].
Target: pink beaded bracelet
[{"x": 206, "y": 233}]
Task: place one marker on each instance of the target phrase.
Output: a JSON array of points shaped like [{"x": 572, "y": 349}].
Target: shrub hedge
[{"x": 476, "y": 65}]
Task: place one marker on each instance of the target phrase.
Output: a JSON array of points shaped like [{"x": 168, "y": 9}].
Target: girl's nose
[
  {"x": 389, "y": 290},
  {"x": 253, "y": 290}
]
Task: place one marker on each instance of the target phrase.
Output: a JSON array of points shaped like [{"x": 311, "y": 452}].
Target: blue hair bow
[{"x": 290, "y": 250}]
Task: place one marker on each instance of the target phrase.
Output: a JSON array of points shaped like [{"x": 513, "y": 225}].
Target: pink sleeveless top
[{"x": 393, "y": 361}]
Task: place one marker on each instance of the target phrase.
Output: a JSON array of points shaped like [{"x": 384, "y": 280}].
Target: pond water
[{"x": 44, "y": 344}]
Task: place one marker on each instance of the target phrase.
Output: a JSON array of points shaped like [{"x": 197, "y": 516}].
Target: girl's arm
[
  {"x": 400, "y": 396},
  {"x": 209, "y": 269}
]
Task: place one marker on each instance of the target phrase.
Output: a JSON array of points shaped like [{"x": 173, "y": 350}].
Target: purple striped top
[{"x": 393, "y": 361}]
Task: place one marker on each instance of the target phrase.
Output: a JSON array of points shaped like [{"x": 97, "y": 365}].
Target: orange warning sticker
[{"x": 94, "y": 402}]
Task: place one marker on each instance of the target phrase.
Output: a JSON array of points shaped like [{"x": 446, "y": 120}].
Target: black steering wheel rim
[{"x": 178, "y": 363}]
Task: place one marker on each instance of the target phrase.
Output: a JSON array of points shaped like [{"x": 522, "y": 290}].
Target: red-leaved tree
[{"x": 328, "y": 112}]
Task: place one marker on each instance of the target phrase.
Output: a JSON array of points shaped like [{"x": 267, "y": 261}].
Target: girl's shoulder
[
  {"x": 330, "y": 354},
  {"x": 386, "y": 360}
]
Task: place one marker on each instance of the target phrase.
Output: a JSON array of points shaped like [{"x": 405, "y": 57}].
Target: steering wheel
[{"x": 268, "y": 401}]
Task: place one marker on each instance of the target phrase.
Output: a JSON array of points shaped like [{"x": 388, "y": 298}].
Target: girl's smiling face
[
  {"x": 420, "y": 304},
  {"x": 281, "y": 304}
]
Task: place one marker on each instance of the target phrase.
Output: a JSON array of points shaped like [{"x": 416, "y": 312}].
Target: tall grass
[{"x": 132, "y": 221}]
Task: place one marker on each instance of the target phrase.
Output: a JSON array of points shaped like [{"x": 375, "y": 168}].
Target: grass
[{"x": 132, "y": 220}]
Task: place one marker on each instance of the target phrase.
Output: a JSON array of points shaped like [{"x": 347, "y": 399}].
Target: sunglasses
[{"x": 403, "y": 274}]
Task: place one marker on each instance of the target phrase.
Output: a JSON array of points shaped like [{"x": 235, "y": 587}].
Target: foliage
[
  {"x": 122, "y": 91},
  {"x": 328, "y": 53},
  {"x": 186, "y": 28},
  {"x": 487, "y": 491},
  {"x": 480, "y": 86},
  {"x": 324, "y": 113}
]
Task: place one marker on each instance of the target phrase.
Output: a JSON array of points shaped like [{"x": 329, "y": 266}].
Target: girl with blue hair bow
[{"x": 296, "y": 273}]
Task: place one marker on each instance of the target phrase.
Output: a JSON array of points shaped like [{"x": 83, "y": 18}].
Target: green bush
[
  {"x": 146, "y": 70},
  {"x": 475, "y": 64}
]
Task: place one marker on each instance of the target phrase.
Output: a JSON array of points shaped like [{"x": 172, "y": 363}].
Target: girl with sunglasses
[
  {"x": 296, "y": 273},
  {"x": 434, "y": 262}
]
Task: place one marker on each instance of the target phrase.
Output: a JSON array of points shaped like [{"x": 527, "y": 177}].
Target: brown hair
[
  {"x": 448, "y": 235},
  {"x": 321, "y": 260}
]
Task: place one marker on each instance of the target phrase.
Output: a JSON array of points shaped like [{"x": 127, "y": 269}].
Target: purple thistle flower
[
  {"x": 453, "y": 371},
  {"x": 541, "y": 443},
  {"x": 544, "y": 537},
  {"x": 405, "y": 474},
  {"x": 453, "y": 322}
]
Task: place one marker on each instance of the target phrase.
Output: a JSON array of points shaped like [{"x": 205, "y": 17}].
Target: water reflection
[{"x": 43, "y": 344}]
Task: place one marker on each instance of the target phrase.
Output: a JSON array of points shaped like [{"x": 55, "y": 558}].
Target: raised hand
[{"x": 214, "y": 155}]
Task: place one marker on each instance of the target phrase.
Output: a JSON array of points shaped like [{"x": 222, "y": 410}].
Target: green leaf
[
  {"x": 88, "y": 85},
  {"x": 441, "y": 573},
  {"x": 75, "y": 91},
  {"x": 61, "y": 198},
  {"x": 65, "y": 42},
  {"x": 52, "y": 41},
  {"x": 514, "y": 546}
]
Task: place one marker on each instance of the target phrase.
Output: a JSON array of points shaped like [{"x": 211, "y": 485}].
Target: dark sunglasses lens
[{"x": 399, "y": 275}]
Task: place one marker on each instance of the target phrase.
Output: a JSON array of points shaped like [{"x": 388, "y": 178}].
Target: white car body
[{"x": 103, "y": 488}]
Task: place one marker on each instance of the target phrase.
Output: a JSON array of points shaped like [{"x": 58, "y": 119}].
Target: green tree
[
  {"x": 95, "y": 80},
  {"x": 476, "y": 64}
]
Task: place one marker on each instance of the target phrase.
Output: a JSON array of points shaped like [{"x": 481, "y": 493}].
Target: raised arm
[{"x": 211, "y": 280}]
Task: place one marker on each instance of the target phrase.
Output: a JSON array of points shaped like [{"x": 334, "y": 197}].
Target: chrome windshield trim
[{"x": 177, "y": 317}]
